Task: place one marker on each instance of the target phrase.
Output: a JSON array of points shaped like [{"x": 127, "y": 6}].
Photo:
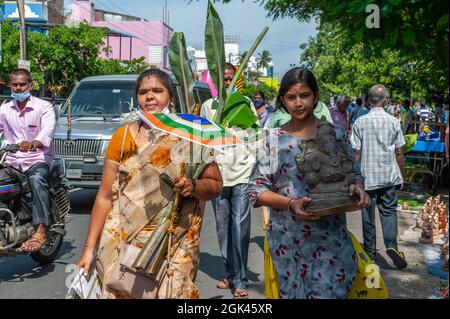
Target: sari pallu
[{"x": 139, "y": 199}]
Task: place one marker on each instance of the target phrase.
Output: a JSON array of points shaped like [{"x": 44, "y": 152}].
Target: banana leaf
[
  {"x": 237, "y": 112},
  {"x": 181, "y": 68},
  {"x": 244, "y": 62},
  {"x": 215, "y": 50},
  {"x": 238, "y": 74}
]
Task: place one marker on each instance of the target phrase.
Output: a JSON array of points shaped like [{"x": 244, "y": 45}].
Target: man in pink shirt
[{"x": 30, "y": 122}]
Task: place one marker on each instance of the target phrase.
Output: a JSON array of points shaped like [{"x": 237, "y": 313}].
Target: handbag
[
  {"x": 133, "y": 283},
  {"x": 125, "y": 279}
]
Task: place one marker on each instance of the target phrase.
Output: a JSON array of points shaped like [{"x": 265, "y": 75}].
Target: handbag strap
[{"x": 119, "y": 183}]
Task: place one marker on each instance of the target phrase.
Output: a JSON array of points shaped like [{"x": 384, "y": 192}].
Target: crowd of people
[{"x": 313, "y": 256}]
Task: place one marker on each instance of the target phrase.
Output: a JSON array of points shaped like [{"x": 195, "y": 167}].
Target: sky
[{"x": 246, "y": 19}]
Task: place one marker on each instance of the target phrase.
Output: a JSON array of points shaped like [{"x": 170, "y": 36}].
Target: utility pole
[
  {"x": 23, "y": 48},
  {"x": 2, "y": 4}
]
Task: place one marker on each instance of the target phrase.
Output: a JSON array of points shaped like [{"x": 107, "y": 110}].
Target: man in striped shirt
[{"x": 423, "y": 112}]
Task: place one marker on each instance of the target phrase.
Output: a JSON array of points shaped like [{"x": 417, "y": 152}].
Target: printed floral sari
[{"x": 139, "y": 199}]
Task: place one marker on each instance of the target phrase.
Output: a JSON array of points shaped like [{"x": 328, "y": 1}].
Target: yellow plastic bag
[
  {"x": 369, "y": 283},
  {"x": 367, "y": 271},
  {"x": 270, "y": 274}
]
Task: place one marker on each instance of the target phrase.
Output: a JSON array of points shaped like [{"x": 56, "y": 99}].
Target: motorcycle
[{"x": 16, "y": 224}]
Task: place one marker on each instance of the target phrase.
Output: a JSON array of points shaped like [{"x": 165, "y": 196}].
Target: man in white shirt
[{"x": 232, "y": 207}]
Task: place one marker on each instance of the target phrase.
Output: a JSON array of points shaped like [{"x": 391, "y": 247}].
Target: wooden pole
[{"x": 23, "y": 47}]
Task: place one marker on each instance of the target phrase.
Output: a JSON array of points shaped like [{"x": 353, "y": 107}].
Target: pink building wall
[
  {"x": 148, "y": 33},
  {"x": 81, "y": 10}
]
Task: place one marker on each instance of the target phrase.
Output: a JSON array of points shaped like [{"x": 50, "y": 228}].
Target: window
[{"x": 101, "y": 98}]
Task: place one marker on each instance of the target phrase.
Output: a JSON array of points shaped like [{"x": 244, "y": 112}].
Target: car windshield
[{"x": 101, "y": 99}]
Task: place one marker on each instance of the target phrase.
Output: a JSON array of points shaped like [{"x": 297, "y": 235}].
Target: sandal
[
  {"x": 398, "y": 258},
  {"x": 226, "y": 283},
  {"x": 240, "y": 293},
  {"x": 36, "y": 241}
]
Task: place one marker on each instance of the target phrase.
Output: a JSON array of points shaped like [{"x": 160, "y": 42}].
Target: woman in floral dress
[
  {"x": 313, "y": 257},
  {"x": 132, "y": 198}
]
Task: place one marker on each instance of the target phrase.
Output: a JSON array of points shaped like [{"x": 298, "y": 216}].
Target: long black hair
[
  {"x": 161, "y": 75},
  {"x": 293, "y": 77}
]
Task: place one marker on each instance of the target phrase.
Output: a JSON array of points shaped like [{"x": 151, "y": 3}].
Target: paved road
[{"x": 21, "y": 277}]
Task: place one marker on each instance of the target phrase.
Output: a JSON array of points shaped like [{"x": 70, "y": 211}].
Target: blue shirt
[{"x": 358, "y": 111}]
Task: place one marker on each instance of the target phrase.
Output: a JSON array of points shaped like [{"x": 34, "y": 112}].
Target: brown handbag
[
  {"x": 131, "y": 282},
  {"x": 127, "y": 280}
]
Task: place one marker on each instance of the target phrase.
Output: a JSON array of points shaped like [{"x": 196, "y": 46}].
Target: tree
[
  {"x": 263, "y": 60},
  {"x": 417, "y": 29},
  {"x": 269, "y": 92},
  {"x": 352, "y": 70},
  {"x": 112, "y": 66},
  {"x": 63, "y": 57}
]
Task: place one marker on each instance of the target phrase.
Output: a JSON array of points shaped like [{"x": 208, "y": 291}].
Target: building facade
[
  {"x": 37, "y": 12},
  {"x": 129, "y": 36}
]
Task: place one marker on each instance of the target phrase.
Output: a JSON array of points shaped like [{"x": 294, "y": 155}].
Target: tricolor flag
[{"x": 192, "y": 128}]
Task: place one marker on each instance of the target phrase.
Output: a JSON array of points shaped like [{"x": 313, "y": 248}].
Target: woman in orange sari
[{"x": 132, "y": 198}]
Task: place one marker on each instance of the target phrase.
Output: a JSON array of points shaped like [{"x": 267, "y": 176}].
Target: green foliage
[
  {"x": 352, "y": 69},
  {"x": 264, "y": 58},
  {"x": 63, "y": 57},
  {"x": 215, "y": 50},
  {"x": 112, "y": 66},
  {"x": 415, "y": 31},
  {"x": 269, "y": 92},
  {"x": 237, "y": 112},
  {"x": 181, "y": 68}
]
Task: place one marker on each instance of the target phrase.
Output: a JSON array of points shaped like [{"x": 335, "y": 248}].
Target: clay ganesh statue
[{"x": 327, "y": 167}]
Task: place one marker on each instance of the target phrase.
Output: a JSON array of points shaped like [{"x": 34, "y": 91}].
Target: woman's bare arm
[
  {"x": 273, "y": 200},
  {"x": 103, "y": 203},
  {"x": 209, "y": 184}
]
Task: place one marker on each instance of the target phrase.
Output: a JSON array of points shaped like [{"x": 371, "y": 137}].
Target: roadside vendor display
[
  {"x": 425, "y": 155},
  {"x": 432, "y": 220},
  {"x": 444, "y": 253}
]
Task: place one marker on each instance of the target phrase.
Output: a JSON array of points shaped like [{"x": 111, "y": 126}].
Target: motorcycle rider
[{"x": 30, "y": 122}]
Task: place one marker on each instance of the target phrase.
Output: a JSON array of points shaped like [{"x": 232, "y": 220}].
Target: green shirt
[{"x": 281, "y": 117}]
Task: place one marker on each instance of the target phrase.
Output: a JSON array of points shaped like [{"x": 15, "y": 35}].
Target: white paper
[{"x": 84, "y": 288}]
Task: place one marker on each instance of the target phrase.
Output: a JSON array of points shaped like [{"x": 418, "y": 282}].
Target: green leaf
[
  {"x": 215, "y": 49},
  {"x": 392, "y": 38},
  {"x": 395, "y": 2},
  {"x": 181, "y": 68},
  {"x": 359, "y": 35},
  {"x": 238, "y": 112},
  {"x": 443, "y": 22},
  {"x": 409, "y": 37},
  {"x": 245, "y": 60}
]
